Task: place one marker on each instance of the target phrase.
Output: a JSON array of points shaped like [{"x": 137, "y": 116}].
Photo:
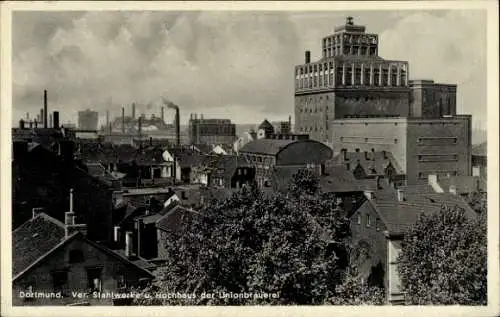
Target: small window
[
  {"x": 395, "y": 141},
  {"x": 239, "y": 171},
  {"x": 359, "y": 219},
  {"x": 75, "y": 256},
  {"x": 368, "y": 221},
  {"x": 245, "y": 171},
  {"x": 377, "y": 224}
]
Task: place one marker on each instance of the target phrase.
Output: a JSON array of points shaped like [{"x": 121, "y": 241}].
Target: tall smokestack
[
  {"x": 162, "y": 114},
  {"x": 45, "y": 108},
  {"x": 140, "y": 125},
  {"x": 171, "y": 105},
  {"x": 123, "y": 120},
  {"x": 308, "y": 57},
  {"x": 107, "y": 119},
  {"x": 50, "y": 121},
  {"x": 133, "y": 110},
  {"x": 56, "y": 119},
  {"x": 41, "y": 117}
]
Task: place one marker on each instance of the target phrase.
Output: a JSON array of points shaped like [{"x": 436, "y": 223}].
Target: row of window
[
  {"x": 368, "y": 221},
  {"x": 326, "y": 80},
  {"x": 425, "y": 175},
  {"x": 312, "y": 69},
  {"x": 437, "y": 157},
  {"x": 350, "y": 50},
  {"x": 342, "y": 139},
  {"x": 311, "y": 129},
  {"x": 438, "y": 141}
]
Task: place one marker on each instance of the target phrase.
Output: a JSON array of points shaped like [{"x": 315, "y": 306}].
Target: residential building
[
  {"x": 230, "y": 172},
  {"x": 88, "y": 120},
  {"x": 420, "y": 146},
  {"x": 378, "y": 226},
  {"x": 211, "y": 131},
  {"x": 265, "y": 154},
  {"x": 54, "y": 257}
]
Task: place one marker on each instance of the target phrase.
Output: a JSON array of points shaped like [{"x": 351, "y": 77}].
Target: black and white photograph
[{"x": 250, "y": 157}]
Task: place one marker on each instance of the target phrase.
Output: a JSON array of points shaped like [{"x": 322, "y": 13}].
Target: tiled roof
[
  {"x": 480, "y": 149},
  {"x": 266, "y": 126},
  {"x": 33, "y": 239},
  {"x": 463, "y": 184},
  {"x": 42, "y": 235},
  {"x": 174, "y": 218},
  {"x": 376, "y": 160},
  {"x": 399, "y": 216},
  {"x": 266, "y": 146},
  {"x": 138, "y": 261},
  {"x": 336, "y": 179},
  {"x": 225, "y": 166},
  {"x": 203, "y": 148}
]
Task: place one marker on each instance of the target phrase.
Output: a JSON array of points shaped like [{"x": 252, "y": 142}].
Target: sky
[{"x": 236, "y": 65}]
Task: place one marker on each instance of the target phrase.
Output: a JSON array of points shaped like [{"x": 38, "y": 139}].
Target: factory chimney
[
  {"x": 50, "y": 121},
  {"x": 133, "y": 110},
  {"x": 308, "y": 57},
  {"x": 123, "y": 120},
  {"x": 56, "y": 120},
  {"x": 44, "y": 109},
  {"x": 162, "y": 114},
  {"x": 107, "y": 120},
  {"x": 171, "y": 105},
  {"x": 41, "y": 117}
]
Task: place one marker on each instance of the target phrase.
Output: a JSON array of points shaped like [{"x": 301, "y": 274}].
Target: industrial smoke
[{"x": 171, "y": 105}]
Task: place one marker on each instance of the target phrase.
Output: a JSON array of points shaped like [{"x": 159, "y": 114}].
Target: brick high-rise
[{"x": 352, "y": 80}]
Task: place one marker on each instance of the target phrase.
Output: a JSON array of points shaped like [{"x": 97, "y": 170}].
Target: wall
[
  {"x": 367, "y": 134},
  {"x": 394, "y": 102},
  {"x": 394, "y": 282},
  {"x": 432, "y": 100},
  {"x": 304, "y": 152},
  {"x": 40, "y": 278},
  {"x": 370, "y": 235},
  {"x": 439, "y": 146},
  {"x": 313, "y": 114}
]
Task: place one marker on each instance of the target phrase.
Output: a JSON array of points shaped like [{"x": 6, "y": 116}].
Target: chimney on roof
[
  {"x": 69, "y": 220},
  {"x": 116, "y": 235},
  {"x": 45, "y": 108},
  {"x": 379, "y": 184},
  {"x": 453, "y": 189},
  {"x": 35, "y": 212},
  {"x": 344, "y": 155},
  {"x": 308, "y": 57},
  {"x": 401, "y": 194},
  {"x": 369, "y": 194},
  {"x": 128, "y": 244}
]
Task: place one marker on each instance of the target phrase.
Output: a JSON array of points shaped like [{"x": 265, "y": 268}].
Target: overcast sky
[{"x": 237, "y": 65}]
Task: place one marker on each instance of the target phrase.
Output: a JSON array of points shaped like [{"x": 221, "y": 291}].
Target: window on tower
[
  {"x": 376, "y": 76},
  {"x": 385, "y": 76},
  {"x": 363, "y": 50},
  {"x": 348, "y": 76},
  {"x": 357, "y": 77},
  {"x": 372, "y": 51},
  {"x": 366, "y": 77}
]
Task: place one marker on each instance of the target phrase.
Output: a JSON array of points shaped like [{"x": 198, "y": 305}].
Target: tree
[
  {"x": 303, "y": 182},
  {"x": 256, "y": 244},
  {"x": 478, "y": 201},
  {"x": 354, "y": 291},
  {"x": 444, "y": 259}
]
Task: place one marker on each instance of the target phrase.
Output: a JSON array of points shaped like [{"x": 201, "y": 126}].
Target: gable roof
[
  {"x": 173, "y": 219},
  {"x": 266, "y": 146},
  {"x": 39, "y": 237},
  {"x": 44, "y": 232},
  {"x": 399, "y": 216}
]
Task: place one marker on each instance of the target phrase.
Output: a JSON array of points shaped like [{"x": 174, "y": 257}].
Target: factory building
[
  {"x": 352, "y": 80},
  {"x": 211, "y": 131},
  {"x": 421, "y": 146},
  {"x": 88, "y": 120}
]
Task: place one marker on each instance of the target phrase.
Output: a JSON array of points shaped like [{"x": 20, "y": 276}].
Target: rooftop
[{"x": 266, "y": 146}]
